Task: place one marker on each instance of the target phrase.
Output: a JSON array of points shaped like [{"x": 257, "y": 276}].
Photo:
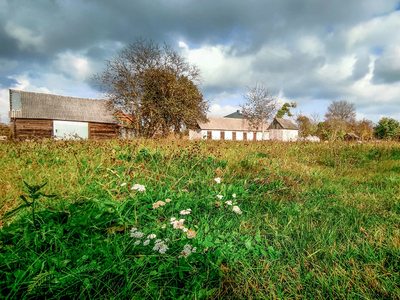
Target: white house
[{"x": 227, "y": 129}]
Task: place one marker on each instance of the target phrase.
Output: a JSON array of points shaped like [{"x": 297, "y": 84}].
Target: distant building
[
  {"x": 283, "y": 130},
  {"x": 227, "y": 128},
  {"x": 236, "y": 115},
  {"x": 38, "y": 115},
  {"x": 350, "y": 137}
]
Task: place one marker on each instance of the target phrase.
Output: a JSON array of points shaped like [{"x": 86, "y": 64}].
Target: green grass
[{"x": 319, "y": 221}]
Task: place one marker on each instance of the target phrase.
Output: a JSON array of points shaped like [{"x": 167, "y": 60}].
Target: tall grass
[{"x": 318, "y": 221}]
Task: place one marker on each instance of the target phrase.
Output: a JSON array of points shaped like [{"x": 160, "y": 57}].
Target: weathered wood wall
[
  {"x": 102, "y": 131},
  {"x": 33, "y": 128}
]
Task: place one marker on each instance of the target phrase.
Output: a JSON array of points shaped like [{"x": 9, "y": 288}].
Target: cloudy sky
[{"x": 308, "y": 51}]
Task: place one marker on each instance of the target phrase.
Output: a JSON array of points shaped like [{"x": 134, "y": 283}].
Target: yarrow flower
[
  {"x": 217, "y": 180},
  {"x": 123, "y": 184},
  {"x": 137, "y": 243},
  {"x": 168, "y": 200},
  {"x": 191, "y": 234},
  {"x": 237, "y": 210},
  {"x": 185, "y": 212},
  {"x": 158, "y": 204},
  {"x": 138, "y": 187},
  {"x": 137, "y": 234},
  {"x": 146, "y": 242},
  {"x": 164, "y": 226},
  {"x": 228, "y": 202},
  {"x": 220, "y": 197},
  {"x": 234, "y": 195},
  {"x": 151, "y": 236},
  {"x": 187, "y": 250},
  {"x": 160, "y": 247}
]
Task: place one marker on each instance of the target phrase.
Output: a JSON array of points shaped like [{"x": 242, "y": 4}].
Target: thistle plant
[{"x": 34, "y": 194}]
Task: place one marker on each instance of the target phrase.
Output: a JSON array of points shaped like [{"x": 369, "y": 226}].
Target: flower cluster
[
  {"x": 185, "y": 212},
  {"x": 178, "y": 224},
  {"x": 217, "y": 180},
  {"x": 160, "y": 203},
  {"x": 160, "y": 246},
  {"x": 187, "y": 251},
  {"x": 237, "y": 210},
  {"x": 220, "y": 197},
  {"x": 138, "y": 187}
]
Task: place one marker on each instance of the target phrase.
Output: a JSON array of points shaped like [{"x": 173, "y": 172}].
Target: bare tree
[
  {"x": 155, "y": 86},
  {"x": 342, "y": 110},
  {"x": 260, "y": 105}
]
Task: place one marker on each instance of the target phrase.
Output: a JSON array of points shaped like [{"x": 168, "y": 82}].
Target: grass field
[{"x": 313, "y": 221}]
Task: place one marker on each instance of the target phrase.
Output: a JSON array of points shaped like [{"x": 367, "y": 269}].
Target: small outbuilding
[
  {"x": 283, "y": 130},
  {"x": 350, "y": 137},
  {"x": 39, "y": 115},
  {"x": 227, "y": 128}
]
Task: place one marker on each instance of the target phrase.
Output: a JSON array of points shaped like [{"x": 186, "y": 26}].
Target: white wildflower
[
  {"x": 228, "y": 202},
  {"x": 220, "y": 197},
  {"x": 138, "y": 187},
  {"x": 123, "y": 184},
  {"x": 186, "y": 211},
  {"x": 164, "y": 226},
  {"x": 185, "y": 229},
  {"x": 187, "y": 250},
  {"x": 158, "y": 204},
  {"x": 172, "y": 220},
  {"x": 137, "y": 243},
  {"x": 168, "y": 200},
  {"x": 158, "y": 241},
  {"x": 160, "y": 247},
  {"x": 234, "y": 195},
  {"x": 146, "y": 242},
  {"x": 137, "y": 234},
  {"x": 133, "y": 229},
  {"x": 167, "y": 240},
  {"x": 194, "y": 249},
  {"x": 151, "y": 236},
  {"x": 237, "y": 210},
  {"x": 217, "y": 180}
]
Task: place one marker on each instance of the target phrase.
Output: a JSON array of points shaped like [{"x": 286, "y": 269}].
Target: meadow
[{"x": 174, "y": 219}]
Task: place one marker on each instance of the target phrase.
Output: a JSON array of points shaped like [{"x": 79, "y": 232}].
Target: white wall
[{"x": 228, "y": 135}]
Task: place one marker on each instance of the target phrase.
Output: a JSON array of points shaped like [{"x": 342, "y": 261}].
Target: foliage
[
  {"x": 5, "y": 130},
  {"x": 387, "y": 128},
  {"x": 318, "y": 221},
  {"x": 155, "y": 86},
  {"x": 341, "y": 110},
  {"x": 260, "y": 105},
  {"x": 285, "y": 110},
  {"x": 34, "y": 194}
]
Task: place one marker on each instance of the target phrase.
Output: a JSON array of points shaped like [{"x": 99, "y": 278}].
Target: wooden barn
[
  {"x": 283, "y": 130},
  {"x": 227, "y": 129},
  {"x": 38, "y": 115}
]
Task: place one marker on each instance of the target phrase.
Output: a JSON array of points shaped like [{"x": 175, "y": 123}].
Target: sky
[{"x": 311, "y": 52}]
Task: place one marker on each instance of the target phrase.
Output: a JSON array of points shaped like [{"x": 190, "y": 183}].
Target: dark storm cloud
[
  {"x": 387, "y": 70},
  {"x": 361, "y": 67}
]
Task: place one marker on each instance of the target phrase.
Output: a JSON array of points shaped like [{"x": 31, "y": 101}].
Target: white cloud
[
  {"x": 217, "y": 110},
  {"x": 75, "y": 65}
]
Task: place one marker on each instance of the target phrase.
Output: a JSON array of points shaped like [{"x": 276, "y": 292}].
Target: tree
[
  {"x": 341, "y": 110},
  {"x": 155, "y": 86},
  {"x": 260, "y": 105},
  {"x": 387, "y": 128},
  {"x": 286, "y": 110}
]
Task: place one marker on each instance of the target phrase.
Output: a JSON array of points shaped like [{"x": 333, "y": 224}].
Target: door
[{"x": 70, "y": 130}]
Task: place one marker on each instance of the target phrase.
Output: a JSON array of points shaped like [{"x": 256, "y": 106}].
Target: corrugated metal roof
[
  {"x": 285, "y": 123},
  {"x": 55, "y": 107},
  {"x": 229, "y": 124}
]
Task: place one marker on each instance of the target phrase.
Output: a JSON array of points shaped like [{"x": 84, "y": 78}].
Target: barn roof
[
  {"x": 229, "y": 124},
  {"x": 55, "y": 107},
  {"x": 286, "y": 124}
]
